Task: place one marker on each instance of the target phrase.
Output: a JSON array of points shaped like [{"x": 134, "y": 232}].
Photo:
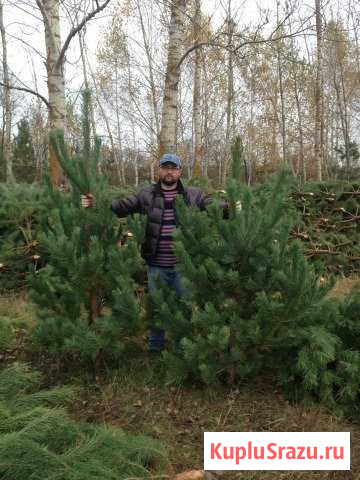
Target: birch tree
[
  {"x": 279, "y": 61},
  {"x": 229, "y": 133},
  {"x": 172, "y": 77},
  {"x": 340, "y": 73},
  {"x": 319, "y": 119},
  {"x": 198, "y": 150},
  {"x": 7, "y": 103},
  {"x": 55, "y": 60}
]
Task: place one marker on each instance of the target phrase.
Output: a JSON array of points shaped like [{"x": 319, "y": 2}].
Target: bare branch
[
  {"x": 254, "y": 40},
  {"x": 16, "y": 5},
  {"x": 266, "y": 40},
  {"x": 199, "y": 45},
  {"x": 77, "y": 29},
  {"x": 241, "y": 45},
  {"x": 27, "y": 90},
  {"x": 27, "y": 44},
  {"x": 280, "y": 24}
]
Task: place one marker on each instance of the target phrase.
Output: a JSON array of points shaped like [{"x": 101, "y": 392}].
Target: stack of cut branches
[{"x": 330, "y": 225}]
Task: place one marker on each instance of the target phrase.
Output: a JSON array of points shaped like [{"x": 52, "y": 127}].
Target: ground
[{"x": 137, "y": 399}]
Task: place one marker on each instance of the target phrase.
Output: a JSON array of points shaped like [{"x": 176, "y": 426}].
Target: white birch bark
[
  {"x": 7, "y": 103},
  {"x": 206, "y": 122},
  {"x": 55, "y": 77},
  {"x": 172, "y": 77},
  {"x": 281, "y": 93},
  {"x": 230, "y": 99},
  {"x": 134, "y": 145},
  {"x": 198, "y": 149},
  {"x": 120, "y": 160},
  {"x": 55, "y": 59},
  {"x": 319, "y": 123}
]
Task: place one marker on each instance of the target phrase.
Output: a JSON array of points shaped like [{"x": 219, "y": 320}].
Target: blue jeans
[
  {"x": 171, "y": 277},
  {"x": 167, "y": 275}
]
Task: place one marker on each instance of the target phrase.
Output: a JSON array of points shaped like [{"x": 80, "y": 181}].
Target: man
[{"x": 157, "y": 201}]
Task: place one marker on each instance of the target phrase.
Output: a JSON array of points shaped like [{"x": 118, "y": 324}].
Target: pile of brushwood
[
  {"x": 21, "y": 207},
  {"x": 329, "y": 225},
  {"x": 24, "y": 212},
  {"x": 39, "y": 439}
]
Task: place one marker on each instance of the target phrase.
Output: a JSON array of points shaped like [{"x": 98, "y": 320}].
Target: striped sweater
[{"x": 165, "y": 256}]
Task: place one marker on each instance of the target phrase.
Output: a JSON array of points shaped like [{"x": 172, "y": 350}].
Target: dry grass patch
[
  {"x": 17, "y": 307},
  {"x": 344, "y": 286},
  {"x": 139, "y": 402}
]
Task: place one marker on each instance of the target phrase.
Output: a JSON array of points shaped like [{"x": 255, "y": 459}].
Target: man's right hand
[{"x": 88, "y": 200}]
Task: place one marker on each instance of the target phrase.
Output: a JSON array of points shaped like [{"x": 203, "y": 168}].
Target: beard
[{"x": 168, "y": 180}]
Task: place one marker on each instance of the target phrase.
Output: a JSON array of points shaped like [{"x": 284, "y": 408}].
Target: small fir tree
[
  {"x": 23, "y": 153},
  {"x": 87, "y": 270}
]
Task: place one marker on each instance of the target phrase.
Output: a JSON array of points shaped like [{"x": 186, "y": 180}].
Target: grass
[
  {"x": 17, "y": 307},
  {"x": 344, "y": 286},
  {"x": 136, "y": 398}
]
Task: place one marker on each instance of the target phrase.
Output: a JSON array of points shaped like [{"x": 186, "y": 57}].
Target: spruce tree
[
  {"x": 23, "y": 153},
  {"x": 86, "y": 292}
]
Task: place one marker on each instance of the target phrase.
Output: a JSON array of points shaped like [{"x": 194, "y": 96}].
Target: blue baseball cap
[{"x": 171, "y": 158}]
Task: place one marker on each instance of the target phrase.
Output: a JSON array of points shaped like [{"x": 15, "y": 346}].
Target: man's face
[{"x": 169, "y": 173}]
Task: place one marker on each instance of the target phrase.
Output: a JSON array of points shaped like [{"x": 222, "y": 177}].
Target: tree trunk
[
  {"x": 251, "y": 131},
  {"x": 55, "y": 79},
  {"x": 302, "y": 167},
  {"x": 197, "y": 165},
  {"x": 120, "y": 159},
  {"x": 135, "y": 151},
  {"x": 319, "y": 121},
  {"x": 206, "y": 123},
  {"x": 230, "y": 97},
  {"x": 172, "y": 77},
  {"x": 7, "y": 103},
  {"x": 346, "y": 120},
  {"x": 55, "y": 58},
  {"x": 343, "y": 114},
  {"x": 282, "y": 105},
  {"x": 136, "y": 168},
  {"x": 356, "y": 38}
]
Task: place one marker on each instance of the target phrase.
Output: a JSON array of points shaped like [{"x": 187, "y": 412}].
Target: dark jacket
[{"x": 150, "y": 201}]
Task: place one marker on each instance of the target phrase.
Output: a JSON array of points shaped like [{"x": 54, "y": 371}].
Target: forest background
[{"x": 284, "y": 75}]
